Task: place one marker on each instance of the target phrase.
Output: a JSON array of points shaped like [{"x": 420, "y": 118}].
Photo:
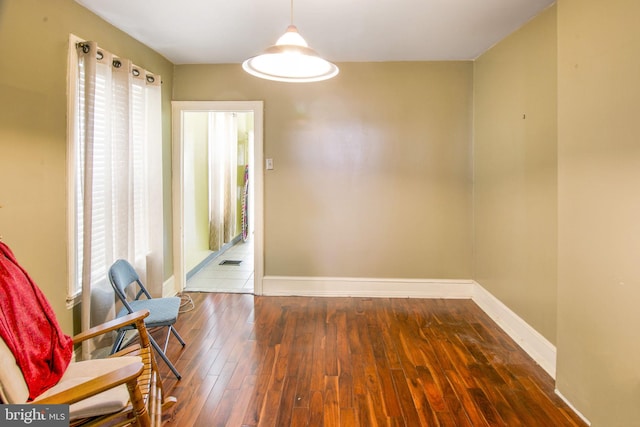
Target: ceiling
[{"x": 230, "y": 31}]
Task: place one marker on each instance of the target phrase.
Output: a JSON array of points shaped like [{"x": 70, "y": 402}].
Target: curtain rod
[{"x": 116, "y": 62}]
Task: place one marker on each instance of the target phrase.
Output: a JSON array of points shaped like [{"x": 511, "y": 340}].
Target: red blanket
[{"x": 29, "y": 327}]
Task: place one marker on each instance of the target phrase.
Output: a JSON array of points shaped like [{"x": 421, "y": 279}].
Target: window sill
[{"x": 74, "y": 300}]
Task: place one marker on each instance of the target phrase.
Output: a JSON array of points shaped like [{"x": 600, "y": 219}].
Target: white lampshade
[{"x": 290, "y": 60}]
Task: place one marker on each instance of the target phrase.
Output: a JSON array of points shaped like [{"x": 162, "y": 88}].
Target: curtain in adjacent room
[
  {"x": 117, "y": 126},
  {"x": 223, "y": 178}
]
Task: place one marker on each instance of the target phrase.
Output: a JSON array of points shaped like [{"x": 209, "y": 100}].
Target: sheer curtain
[
  {"x": 118, "y": 136},
  {"x": 223, "y": 178}
]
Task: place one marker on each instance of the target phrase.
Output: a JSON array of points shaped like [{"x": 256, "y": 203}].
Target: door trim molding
[{"x": 177, "y": 183}]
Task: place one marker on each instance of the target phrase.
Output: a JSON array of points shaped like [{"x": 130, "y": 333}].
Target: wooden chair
[{"x": 124, "y": 389}]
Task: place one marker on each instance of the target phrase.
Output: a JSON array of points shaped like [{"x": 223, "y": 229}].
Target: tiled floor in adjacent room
[{"x": 226, "y": 278}]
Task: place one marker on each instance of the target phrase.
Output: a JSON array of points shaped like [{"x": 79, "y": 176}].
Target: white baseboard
[
  {"x": 573, "y": 407},
  {"x": 169, "y": 287},
  {"x": 366, "y": 287},
  {"x": 531, "y": 341}
]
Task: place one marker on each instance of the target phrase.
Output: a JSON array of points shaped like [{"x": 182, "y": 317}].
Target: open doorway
[{"x": 217, "y": 196}]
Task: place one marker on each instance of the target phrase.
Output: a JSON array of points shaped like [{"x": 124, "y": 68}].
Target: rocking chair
[{"x": 35, "y": 367}]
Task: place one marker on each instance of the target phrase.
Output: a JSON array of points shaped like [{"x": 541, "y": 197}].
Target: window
[{"x": 115, "y": 178}]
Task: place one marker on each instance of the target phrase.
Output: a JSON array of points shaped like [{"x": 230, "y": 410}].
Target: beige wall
[
  {"x": 599, "y": 209},
  {"x": 34, "y": 38},
  {"x": 372, "y": 168},
  {"x": 515, "y": 173},
  {"x": 196, "y": 188}
]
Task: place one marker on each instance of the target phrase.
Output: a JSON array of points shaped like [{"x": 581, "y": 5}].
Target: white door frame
[{"x": 177, "y": 183}]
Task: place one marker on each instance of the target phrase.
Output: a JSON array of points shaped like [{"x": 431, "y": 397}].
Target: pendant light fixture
[{"x": 290, "y": 60}]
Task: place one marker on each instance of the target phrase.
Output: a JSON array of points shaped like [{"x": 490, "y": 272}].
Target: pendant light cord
[{"x": 291, "y": 12}]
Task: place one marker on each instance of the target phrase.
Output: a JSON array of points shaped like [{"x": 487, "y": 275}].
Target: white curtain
[
  {"x": 118, "y": 119},
  {"x": 223, "y": 178}
]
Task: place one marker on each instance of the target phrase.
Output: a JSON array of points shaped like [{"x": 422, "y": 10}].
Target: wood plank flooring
[{"x": 298, "y": 361}]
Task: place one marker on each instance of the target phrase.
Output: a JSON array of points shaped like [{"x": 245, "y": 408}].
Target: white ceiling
[{"x": 229, "y": 31}]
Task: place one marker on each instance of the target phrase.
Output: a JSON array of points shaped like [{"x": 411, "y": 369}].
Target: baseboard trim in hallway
[{"x": 230, "y": 277}]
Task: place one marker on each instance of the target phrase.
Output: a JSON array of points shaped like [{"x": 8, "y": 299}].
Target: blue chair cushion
[{"x": 162, "y": 311}]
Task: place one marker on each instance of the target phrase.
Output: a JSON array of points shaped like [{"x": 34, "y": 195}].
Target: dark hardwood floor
[{"x": 297, "y": 361}]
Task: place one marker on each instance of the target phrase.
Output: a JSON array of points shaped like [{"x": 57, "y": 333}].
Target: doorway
[{"x": 210, "y": 195}]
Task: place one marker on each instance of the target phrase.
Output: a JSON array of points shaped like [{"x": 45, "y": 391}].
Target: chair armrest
[
  {"x": 112, "y": 325},
  {"x": 95, "y": 385}
]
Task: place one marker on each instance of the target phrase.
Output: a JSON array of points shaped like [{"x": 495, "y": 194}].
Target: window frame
[{"x": 74, "y": 290}]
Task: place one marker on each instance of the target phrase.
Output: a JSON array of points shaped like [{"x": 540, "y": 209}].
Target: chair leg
[
  {"x": 177, "y": 335},
  {"x": 118, "y": 342},
  {"x": 166, "y": 339},
  {"x": 164, "y": 357}
]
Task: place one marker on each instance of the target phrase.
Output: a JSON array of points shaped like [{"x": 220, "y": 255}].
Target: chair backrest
[
  {"x": 13, "y": 387},
  {"x": 29, "y": 328},
  {"x": 122, "y": 275}
]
